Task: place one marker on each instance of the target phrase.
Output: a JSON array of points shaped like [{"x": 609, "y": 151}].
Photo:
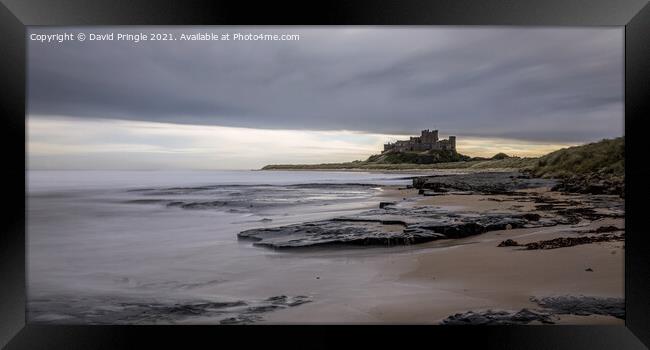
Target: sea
[{"x": 161, "y": 247}]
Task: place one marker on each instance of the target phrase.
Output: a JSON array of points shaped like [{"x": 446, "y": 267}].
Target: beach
[
  {"x": 434, "y": 280},
  {"x": 162, "y": 254}
]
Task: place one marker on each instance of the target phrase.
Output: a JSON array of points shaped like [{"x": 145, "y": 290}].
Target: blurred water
[{"x": 105, "y": 245}]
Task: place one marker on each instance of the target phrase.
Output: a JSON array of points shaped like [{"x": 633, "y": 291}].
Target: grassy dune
[{"x": 605, "y": 157}]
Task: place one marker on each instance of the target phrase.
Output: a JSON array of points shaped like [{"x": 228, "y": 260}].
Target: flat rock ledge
[
  {"x": 499, "y": 317},
  {"x": 485, "y": 183},
  {"x": 156, "y": 312},
  {"x": 550, "y": 309},
  {"x": 391, "y": 226},
  {"x": 583, "y": 305},
  {"x": 562, "y": 242}
]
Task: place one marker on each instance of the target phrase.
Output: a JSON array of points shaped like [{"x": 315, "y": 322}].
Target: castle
[{"x": 428, "y": 140}]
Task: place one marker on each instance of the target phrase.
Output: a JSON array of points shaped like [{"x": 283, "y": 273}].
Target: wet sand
[
  {"x": 428, "y": 282},
  {"x": 198, "y": 272}
]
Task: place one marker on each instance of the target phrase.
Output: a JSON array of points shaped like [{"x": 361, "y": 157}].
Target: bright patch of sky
[{"x": 87, "y": 143}]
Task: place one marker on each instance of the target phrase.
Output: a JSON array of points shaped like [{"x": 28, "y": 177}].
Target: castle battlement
[{"x": 428, "y": 140}]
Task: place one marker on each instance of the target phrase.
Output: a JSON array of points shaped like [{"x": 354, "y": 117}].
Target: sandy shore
[{"x": 428, "y": 282}]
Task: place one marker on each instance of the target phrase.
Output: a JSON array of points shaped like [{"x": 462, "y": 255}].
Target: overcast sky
[{"x": 338, "y": 91}]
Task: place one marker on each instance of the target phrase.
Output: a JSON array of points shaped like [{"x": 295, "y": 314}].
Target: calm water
[{"x": 140, "y": 246}]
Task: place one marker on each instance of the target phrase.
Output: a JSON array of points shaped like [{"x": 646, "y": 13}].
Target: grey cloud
[{"x": 561, "y": 84}]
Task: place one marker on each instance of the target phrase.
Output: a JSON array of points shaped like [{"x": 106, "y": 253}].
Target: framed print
[{"x": 469, "y": 172}]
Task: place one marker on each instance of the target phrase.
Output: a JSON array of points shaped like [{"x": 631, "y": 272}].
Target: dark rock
[
  {"x": 561, "y": 242},
  {"x": 606, "y": 229},
  {"x": 129, "y": 310},
  {"x": 592, "y": 183},
  {"x": 196, "y": 309},
  {"x": 589, "y": 269},
  {"x": 490, "y": 317},
  {"x": 508, "y": 243},
  {"x": 531, "y": 216},
  {"x": 241, "y": 319},
  {"x": 591, "y": 208},
  {"x": 284, "y": 300},
  {"x": 327, "y": 233},
  {"x": 262, "y": 308},
  {"x": 485, "y": 182},
  {"x": 400, "y": 225},
  {"x": 583, "y": 305},
  {"x": 551, "y": 307},
  {"x": 389, "y": 226},
  {"x": 418, "y": 182}
]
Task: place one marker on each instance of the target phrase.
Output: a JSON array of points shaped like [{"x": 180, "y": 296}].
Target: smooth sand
[{"x": 425, "y": 283}]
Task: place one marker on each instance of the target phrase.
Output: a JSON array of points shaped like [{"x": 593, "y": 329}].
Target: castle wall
[
  {"x": 444, "y": 144},
  {"x": 427, "y": 141}
]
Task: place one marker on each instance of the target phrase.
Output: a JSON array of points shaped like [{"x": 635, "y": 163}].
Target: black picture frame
[{"x": 15, "y": 15}]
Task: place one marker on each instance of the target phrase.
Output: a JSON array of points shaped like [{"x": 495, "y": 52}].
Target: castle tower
[
  {"x": 452, "y": 142},
  {"x": 424, "y": 136},
  {"x": 429, "y": 137}
]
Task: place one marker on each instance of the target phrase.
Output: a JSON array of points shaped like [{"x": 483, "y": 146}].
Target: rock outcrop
[
  {"x": 389, "y": 226},
  {"x": 402, "y": 223},
  {"x": 481, "y": 183},
  {"x": 593, "y": 183},
  {"x": 550, "y": 309},
  {"x": 500, "y": 317}
]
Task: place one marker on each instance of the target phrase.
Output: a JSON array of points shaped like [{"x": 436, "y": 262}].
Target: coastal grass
[
  {"x": 604, "y": 157},
  {"x": 508, "y": 163}
]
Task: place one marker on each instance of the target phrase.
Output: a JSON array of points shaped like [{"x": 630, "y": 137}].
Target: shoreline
[
  {"x": 454, "y": 275},
  {"x": 430, "y": 282},
  {"x": 451, "y": 171}
]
